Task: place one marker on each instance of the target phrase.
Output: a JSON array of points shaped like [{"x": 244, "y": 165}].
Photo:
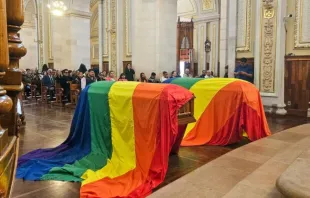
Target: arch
[
  {"x": 187, "y": 7},
  {"x": 30, "y": 14}
]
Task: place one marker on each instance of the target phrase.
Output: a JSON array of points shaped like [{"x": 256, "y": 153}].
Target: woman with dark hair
[
  {"x": 122, "y": 77},
  {"x": 173, "y": 74},
  {"x": 44, "y": 68},
  {"x": 111, "y": 76},
  {"x": 82, "y": 68},
  {"x": 142, "y": 78}
]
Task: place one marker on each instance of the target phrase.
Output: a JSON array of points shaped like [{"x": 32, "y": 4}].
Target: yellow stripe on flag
[
  {"x": 203, "y": 98},
  {"x": 123, "y": 138}
]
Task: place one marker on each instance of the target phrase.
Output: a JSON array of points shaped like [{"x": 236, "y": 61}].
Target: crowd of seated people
[{"x": 83, "y": 77}]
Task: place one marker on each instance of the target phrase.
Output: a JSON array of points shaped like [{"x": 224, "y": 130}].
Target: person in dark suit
[
  {"x": 49, "y": 81},
  {"x": 64, "y": 83},
  {"x": 130, "y": 73}
]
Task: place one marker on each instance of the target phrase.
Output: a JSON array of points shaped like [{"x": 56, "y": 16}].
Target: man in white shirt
[
  {"x": 209, "y": 74},
  {"x": 164, "y": 77},
  {"x": 187, "y": 74}
]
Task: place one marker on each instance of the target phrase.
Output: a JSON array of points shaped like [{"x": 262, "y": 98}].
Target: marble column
[
  {"x": 214, "y": 55},
  {"x": 100, "y": 32},
  {"x": 71, "y": 43},
  {"x": 269, "y": 67},
  {"x": 201, "y": 52},
  {"x": 228, "y": 36},
  {"x": 154, "y": 31}
]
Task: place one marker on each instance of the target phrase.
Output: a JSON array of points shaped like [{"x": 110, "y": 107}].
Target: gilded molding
[
  {"x": 50, "y": 39},
  {"x": 127, "y": 24},
  {"x": 79, "y": 14},
  {"x": 40, "y": 36},
  {"x": 298, "y": 25},
  {"x": 248, "y": 24},
  {"x": 113, "y": 36},
  {"x": 208, "y": 5},
  {"x": 106, "y": 26},
  {"x": 268, "y": 46}
]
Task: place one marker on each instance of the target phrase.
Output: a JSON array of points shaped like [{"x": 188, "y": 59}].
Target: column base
[
  {"x": 278, "y": 109},
  {"x": 281, "y": 109}
]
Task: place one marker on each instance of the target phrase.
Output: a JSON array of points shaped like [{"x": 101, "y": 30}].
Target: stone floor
[
  {"x": 48, "y": 127},
  {"x": 251, "y": 171}
]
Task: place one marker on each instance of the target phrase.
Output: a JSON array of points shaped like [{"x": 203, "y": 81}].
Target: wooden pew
[
  {"x": 33, "y": 89},
  {"x": 44, "y": 94},
  {"x": 59, "y": 93},
  {"x": 74, "y": 95},
  {"x": 12, "y": 49}
]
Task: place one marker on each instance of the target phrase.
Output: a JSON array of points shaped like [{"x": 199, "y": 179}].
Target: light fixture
[{"x": 57, "y": 8}]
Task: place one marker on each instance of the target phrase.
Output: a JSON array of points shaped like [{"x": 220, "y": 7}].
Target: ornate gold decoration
[
  {"x": 207, "y": 4},
  {"x": 50, "y": 39},
  {"x": 298, "y": 26},
  {"x": 127, "y": 24},
  {"x": 113, "y": 36},
  {"x": 40, "y": 36},
  {"x": 268, "y": 45},
  {"x": 106, "y": 25},
  {"x": 248, "y": 21}
]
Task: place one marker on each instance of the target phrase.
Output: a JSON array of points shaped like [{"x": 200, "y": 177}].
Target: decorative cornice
[
  {"x": 79, "y": 14},
  {"x": 214, "y": 17}
]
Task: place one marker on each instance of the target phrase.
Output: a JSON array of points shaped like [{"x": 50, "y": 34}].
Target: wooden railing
[
  {"x": 11, "y": 50},
  {"x": 186, "y": 113}
]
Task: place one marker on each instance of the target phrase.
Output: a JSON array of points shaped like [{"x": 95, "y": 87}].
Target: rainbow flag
[
  {"x": 225, "y": 110},
  {"x": 119, "y": 143}
]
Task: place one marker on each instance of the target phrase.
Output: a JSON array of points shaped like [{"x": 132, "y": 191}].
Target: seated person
[
  {"x": 164, "y": 77},
  {"x": 187, "y": 74},
  {"x": 65, "y": 83},
  {"x": 209, "y": 74},
  {"x": 89, "y": 79},
  {"x": 203, "y": 74},
  {"x": 27, "y": 82},
  {"x": 111, "y": 76},
  {"x": 174, "y": 74},
  {"x": 122, "y": 77},
  {"x": 244, "y": 71},
  {"x": 152, "y": 79},
  {"x": 142, "y": 78},
  {"x": 49, "y": 81}
]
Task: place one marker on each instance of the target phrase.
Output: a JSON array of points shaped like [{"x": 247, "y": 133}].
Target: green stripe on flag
[
  {"x": 101, "y": 143},
  {"x": 187, "y": 83}
]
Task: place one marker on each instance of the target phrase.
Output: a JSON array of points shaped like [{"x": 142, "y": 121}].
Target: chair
[
  {"x": 59, "y": 93},
  {"x": 44, "y": 93},
  {"x": 74, "y": 95},
  {"x": 33, "y": 89}
]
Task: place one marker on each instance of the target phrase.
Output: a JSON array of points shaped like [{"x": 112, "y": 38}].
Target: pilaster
[
  {"x": 154, "y": 32},
  {"x": 269, "y": 68}
]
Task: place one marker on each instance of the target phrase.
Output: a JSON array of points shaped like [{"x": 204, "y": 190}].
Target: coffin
[
  {"x": 121, "y": 137},
  {"x": 225, "y": 110}
]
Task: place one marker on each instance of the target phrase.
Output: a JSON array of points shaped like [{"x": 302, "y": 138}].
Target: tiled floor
[{"x": 48, "y": 127}]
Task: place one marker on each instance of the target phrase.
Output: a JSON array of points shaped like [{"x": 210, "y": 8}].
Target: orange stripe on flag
[{"x": 146, "y": 100}]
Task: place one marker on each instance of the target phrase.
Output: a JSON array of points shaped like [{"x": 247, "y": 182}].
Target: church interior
[{"x": 154, "y": 98}]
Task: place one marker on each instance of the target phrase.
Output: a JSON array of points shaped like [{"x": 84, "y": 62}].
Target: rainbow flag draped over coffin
[
  {"x": 224, "y": 109},
  {"x": 119, "y": 143}
]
